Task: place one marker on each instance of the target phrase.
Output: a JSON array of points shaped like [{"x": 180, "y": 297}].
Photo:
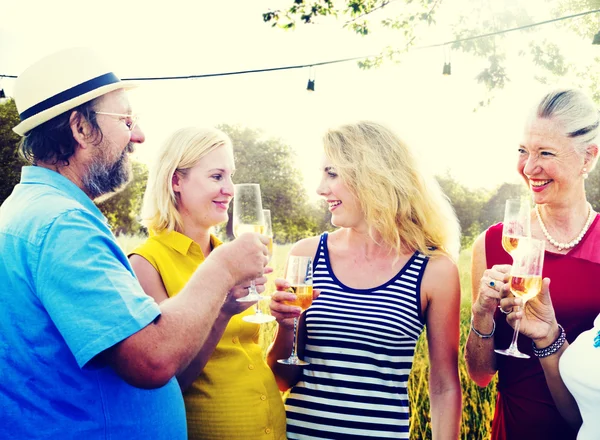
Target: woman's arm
[
  {"x": 152, "y": 283},
  {"x": 442, "y": 289},
  {"x": 287, "y": 376},
  {"x": 149, "y": 278},
  {"x": 479, "y": 352},
  {"x": 564, "y": 400},
  {"x": 230, "y": 307}
]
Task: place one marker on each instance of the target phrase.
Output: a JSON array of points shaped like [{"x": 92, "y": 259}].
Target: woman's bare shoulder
[
  {"x": 306, "y": 247},
  {"x": 440, "y": 265}
]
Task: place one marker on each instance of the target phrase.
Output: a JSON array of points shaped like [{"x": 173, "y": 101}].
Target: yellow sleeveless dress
[{"x": 235, "y": 396}]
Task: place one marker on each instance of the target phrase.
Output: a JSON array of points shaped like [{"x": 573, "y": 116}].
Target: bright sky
[{"x": 433, "y": 113}]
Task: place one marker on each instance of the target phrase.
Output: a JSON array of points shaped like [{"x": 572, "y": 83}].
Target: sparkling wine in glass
[
  {"x": 299, "y": 275},
  {"x": 259, "y": 317},
  {"x": 269, "y": 231},
  {"x": 248, "y": 217},
  {"x": 525, "y": 281},
  {"x": 516, "y": 224}
]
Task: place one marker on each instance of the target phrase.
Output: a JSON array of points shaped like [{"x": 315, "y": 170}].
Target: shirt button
[
  {"x": 263, "y": 397},
  {"x": 234, "y": 339},
  {"x": 250, "y": 367},
  {"x": 268, "y": 430}
]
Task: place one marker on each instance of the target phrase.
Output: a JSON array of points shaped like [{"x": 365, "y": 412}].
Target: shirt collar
[
  {"x": 182, "y": 243},
  {"x": 44, "y": 176}
]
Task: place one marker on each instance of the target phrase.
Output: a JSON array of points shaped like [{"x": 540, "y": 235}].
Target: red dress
[{"x": 524, "y": 407}]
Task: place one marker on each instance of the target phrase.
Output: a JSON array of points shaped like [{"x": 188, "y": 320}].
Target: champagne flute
[
  {"x": 299, "y": 274},
  {"x": 517, "y": 223},
  {"x": 248, "y": 217},
  {"x": 259, "y": 317},
  {"x": 525, "y": 281},
  {"x": 269, "y": 231}
]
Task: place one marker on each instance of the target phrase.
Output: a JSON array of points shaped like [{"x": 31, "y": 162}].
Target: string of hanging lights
[{"x": 312, "y": 67}]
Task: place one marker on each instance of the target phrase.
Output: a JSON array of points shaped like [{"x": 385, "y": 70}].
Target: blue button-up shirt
[{"x": 67, "y": 293}]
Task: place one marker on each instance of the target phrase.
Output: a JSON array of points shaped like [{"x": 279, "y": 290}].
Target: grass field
[{"x": 478, "y": 403}]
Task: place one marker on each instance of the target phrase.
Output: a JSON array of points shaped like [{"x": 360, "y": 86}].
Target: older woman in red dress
[{"x": 556, "y": 154}]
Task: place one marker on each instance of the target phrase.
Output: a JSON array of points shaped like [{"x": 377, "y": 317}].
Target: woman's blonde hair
[
  {"x": 181, "y": 151},
  {"x": 405, "y": 208}
]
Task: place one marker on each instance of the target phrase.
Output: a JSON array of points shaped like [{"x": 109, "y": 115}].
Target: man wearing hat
[{"x": 84, "y": 352}]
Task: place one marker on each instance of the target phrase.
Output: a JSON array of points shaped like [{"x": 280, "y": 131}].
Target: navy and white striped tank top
[{"x": 360, "y": 344}]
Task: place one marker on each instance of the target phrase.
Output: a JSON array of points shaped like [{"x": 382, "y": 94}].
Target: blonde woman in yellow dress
[{"x": 229, "y": 391}]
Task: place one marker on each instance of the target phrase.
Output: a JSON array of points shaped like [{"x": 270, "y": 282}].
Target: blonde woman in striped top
[{"x": 384, "y": 274}]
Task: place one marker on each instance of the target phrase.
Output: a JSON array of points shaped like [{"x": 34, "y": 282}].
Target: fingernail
[{"x": 518, "y": 301}]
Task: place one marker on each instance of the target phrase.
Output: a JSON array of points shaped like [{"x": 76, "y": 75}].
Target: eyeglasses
[{"x": 130, "y": 120}]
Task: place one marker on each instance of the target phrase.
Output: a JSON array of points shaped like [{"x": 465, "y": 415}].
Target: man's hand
[
  {"x": 232, "y": 306},
  {"x": 245, "y": 258}
]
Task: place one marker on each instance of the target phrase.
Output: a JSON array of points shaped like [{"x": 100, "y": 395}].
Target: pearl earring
[{"x": 585, "y": 174}]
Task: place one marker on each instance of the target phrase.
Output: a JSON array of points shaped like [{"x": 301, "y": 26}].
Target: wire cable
[{"x": 344, "y": 60}]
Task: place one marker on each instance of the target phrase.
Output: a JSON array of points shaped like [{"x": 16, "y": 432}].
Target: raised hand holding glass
[
  {"x": 259, "y": 317},
  {"x": 525, "y": 282},
  {"x": 299, "y": 274},
  {"x": 248, "y": 217}
]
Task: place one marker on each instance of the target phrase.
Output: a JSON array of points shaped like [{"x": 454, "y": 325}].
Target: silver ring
[{"x": 504, "y": 311}]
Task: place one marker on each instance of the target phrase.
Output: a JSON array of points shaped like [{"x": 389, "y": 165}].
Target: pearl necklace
[{"x": 575, "y": 242}]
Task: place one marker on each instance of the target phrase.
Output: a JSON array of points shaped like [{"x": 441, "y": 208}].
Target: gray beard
[{"x": 103, "y": 178}]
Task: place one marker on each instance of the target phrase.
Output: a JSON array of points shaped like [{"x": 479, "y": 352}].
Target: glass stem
[
  {"x": 257, "y": 312},
  {"x": 513, "y": 344},
  {"x": 294, "y": 348},
  {"x": 252, "y": 288}
]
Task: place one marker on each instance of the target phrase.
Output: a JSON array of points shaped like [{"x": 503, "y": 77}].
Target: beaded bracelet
[
  {"x": 482, "y": 335},
  {"x": 552, "y": 348}
]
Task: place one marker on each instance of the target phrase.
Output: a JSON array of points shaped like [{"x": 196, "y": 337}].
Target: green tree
[
  {"x": 322, "y": 215},
  {"x": 546, "y": 55},
  {"x": 270, "y": 163},
  {"x": 468, "y": 205},
  {"x": 10, "y": 160},
  {"x": 412, "y": 18},
  {"x": 122, "y": 209},
  {"x": 493, "y": 210}
]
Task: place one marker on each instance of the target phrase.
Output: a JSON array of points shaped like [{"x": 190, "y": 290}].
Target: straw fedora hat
[{"x": 60, "y": 82}]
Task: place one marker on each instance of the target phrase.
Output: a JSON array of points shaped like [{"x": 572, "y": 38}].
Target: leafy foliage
[
  {"x": 468, "y": 205},
  {"x": 412, "y": 17},
  {"x": 270, "y": 163},
  {"x": 123, "y": 208},
  {"x": 493, "y": 210},
  {"x": 355, "y": 15},
  {"x": 10, "y": 160},
  {"x": 477, "y": 209},
  {"x": 545, "y": 53},
  {"x": 480, "y": 20},
  {"x": 305, "y": 12}
]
